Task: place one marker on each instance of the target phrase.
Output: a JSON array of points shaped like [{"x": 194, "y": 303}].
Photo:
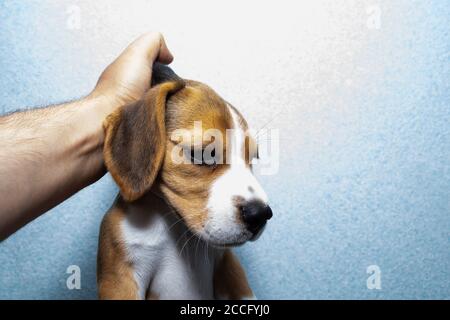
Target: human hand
[
  {"x": 128, "y": 77},
  {"x": 70, "y": 137}
]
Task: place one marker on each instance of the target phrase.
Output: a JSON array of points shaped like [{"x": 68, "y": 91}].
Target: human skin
[{"x": 49, "y": 154}]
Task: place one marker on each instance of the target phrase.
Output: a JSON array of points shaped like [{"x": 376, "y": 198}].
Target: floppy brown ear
[{"x": 135, "y": 137}]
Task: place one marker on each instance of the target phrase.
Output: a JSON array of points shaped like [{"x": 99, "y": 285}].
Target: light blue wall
[{"x": 365, "y": 134}]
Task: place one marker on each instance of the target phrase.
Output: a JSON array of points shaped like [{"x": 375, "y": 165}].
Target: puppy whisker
[
  {"x": 182, "y": 235},
  {"x": 193, "y": 234}
]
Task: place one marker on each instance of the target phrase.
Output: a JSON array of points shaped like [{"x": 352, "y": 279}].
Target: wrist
[
  {"x": 88, "y": 136},
  {"x": 84, "y": 138},
  {"x": 104, "y": 104}
]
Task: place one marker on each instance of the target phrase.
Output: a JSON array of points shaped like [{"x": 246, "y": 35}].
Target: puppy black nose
[{"x": 255, "y": 213}]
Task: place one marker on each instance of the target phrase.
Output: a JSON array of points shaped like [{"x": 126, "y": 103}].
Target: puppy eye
[
  {"x": 202, "y": 158},
  {"x": 195, "y": 157}
]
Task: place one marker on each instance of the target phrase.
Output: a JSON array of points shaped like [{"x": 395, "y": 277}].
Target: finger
[
  {"x": 164, "y": 56},
  {"x": 153, "y": 46}
]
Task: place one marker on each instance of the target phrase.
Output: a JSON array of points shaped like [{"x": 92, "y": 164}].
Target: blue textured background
[{"x": 365, "y": 132}]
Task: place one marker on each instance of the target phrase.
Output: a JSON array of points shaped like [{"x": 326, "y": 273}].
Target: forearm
[{"x": 47, "y": 155}]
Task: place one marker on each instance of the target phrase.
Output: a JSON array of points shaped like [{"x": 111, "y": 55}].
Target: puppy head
[{"x": 212, "y": 188}]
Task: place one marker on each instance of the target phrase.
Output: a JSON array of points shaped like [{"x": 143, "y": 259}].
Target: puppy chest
[
  {"x": 182, "y": 277},
  {"x": 170, "y": 264}
]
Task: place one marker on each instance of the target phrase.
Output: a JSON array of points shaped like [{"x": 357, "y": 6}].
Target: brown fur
[
  {"x": 115, "y": 277},
  {"x": 137, "y": 153},
  {"x": 134, "y": 141},
  {"x": 152, "y": 296},
  {"x": 230, "y": 281},
  {"x": 186, "y": 186}
]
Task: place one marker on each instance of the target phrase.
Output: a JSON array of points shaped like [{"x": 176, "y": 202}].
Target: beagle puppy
[{"x": 170, "y": 231}]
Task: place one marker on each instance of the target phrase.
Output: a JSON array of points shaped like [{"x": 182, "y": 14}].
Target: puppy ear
[{"x": 135, "y": 137}]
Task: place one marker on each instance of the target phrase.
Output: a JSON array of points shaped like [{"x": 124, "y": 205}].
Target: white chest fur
[{"x": 168, "y": 260}]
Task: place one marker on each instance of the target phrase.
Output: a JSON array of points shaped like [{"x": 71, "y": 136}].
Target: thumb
[{"x": 153, "y": 46}]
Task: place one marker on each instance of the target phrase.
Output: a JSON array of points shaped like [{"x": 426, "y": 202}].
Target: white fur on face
[{"x": 223, "y": 225}]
